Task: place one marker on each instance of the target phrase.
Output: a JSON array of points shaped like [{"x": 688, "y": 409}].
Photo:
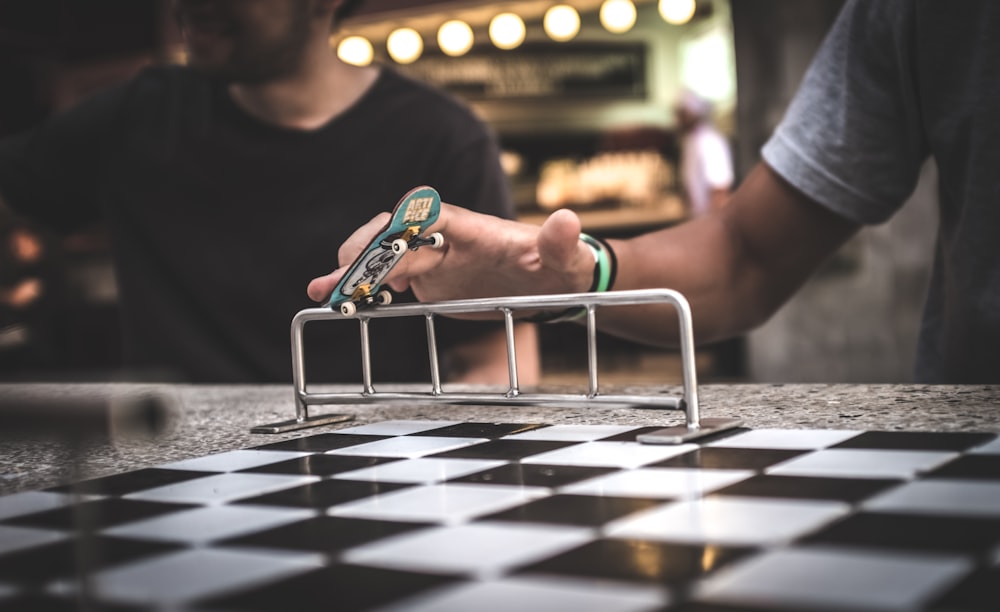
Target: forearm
[{"x": 736, "y": 266}]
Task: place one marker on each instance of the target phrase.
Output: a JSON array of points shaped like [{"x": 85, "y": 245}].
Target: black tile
[
  {"x": 321, "y": 442},
  {"x": 719, "y": 458},
  {"x": 97, "y": 514},
  {"x": 966, "y": 535},
  {"x": 977, "y": 592},
  {"x": 849, "y": 490},
  {"x": 320, "y": 465},
  {"x": 322, "y": 534},
  {"x": 573, "y": 510},
  {"x": 639, "y": 560},
  {"x": 480, "y": 430},
  {"x": 916, "y": 440},
  {"x": 63, "y": 560},
  {"x": 339, "y": 587},
  {"x": 323, "y": 494},
  {"x": 130, "y": 482},
  {"x": 509, "y": 450},
  {"x": 632, "y": 434},
  {"x": 534, "y": 475},
  {"x": 969, "y": 466}
]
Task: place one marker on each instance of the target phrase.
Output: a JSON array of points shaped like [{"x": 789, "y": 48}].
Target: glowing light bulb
[
  {"x": 618, "y": 16},
  {"x": 507, "y": 31},
  {"x": 356, "y": 50},
  {"x": 405, "y": 45},
  {"x": 561, "y": 22},
  {"x": 455, "y": 38},
  {"x": 677, "y": 12}
]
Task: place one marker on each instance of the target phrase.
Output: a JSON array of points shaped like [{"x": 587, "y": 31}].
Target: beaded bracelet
[{"x": 605, "y": 270}]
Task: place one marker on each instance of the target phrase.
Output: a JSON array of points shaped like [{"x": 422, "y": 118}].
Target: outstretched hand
[{"x": 482, "y": 256}]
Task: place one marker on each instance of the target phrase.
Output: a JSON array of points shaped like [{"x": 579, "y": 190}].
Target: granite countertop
[{"x": 216, "y": 418}]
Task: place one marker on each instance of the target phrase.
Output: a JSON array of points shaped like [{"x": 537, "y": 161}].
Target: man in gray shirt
[{"x": 895, "y": 83}]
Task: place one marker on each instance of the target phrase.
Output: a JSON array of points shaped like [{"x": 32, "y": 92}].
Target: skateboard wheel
[
  {"x": 437, "y": 240},
  {"x": 383, "y": 297},
  {"x": 399, "y": 245},
  {"x": 348, "y": 309}
]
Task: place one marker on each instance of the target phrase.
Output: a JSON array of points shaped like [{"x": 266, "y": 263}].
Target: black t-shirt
[{"x": 219, "y": 220}]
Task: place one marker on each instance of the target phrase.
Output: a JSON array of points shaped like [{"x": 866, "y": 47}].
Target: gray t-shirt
[{"x": 896, "y": 82}]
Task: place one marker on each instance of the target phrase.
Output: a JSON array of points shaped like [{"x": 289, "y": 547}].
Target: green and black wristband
[{"x": 605, "y": 270}]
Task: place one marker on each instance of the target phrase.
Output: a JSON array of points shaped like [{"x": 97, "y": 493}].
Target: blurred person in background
[
  {"x": 228, "y": 183},
  {"x": 706, "y": 164}
]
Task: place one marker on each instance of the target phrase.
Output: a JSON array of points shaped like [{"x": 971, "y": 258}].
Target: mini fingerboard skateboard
[{"x": 361, "y": 285}]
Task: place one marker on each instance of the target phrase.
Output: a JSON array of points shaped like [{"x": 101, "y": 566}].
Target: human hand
[{"x": 483, "y": 256}]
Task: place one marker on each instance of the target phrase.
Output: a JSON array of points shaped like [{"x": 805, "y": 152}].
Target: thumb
[
  {"x": 319, "y": 289},
  {"x": 559, "y": 241}
]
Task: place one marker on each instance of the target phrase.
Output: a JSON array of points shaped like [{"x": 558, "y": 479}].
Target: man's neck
[{"x": 322, "y": 88}]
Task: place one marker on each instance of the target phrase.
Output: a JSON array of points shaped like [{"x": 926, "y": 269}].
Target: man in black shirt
[{"x": 227, "y": 185}]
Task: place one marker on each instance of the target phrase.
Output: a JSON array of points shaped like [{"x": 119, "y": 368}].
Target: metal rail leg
[{"x": 302, "y": 419}]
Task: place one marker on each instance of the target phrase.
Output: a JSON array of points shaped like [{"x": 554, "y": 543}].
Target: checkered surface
[{"x": 442, "y": 516}]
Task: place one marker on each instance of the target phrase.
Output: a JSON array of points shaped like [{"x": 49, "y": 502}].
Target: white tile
[
  {"x": 658, "y": 483},
  {"x": 442, "y": 503},
  {"x": 787, "y": 439},
  {"x": 32, "y": 501},
  {"x": 193, "y": 574},
  {"x": 233, "y": 461},
  {"x": 480, "y": 549},
  {"x": 612, "y": 454},
  {"x": 209, "y": 523},
  {"x": 423, "y": 471},
  {"x": 396, "y": 428},
  {"x": 818, "y": 578},
  {"x": 407, "y": 447},
  {"x": 571, "y": 433},
  {"x": 861, "y": 463},
  {"x": 221, "y": 488},
  {"x": 990, "y": 448},
  {"x": 729, "y": 520},
  {"x": 535, "y": 594},
  {"x": 941, "y": 497},
  {"x": 19, "y": 538}
]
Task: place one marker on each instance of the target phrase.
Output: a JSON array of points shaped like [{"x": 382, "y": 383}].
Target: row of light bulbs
[{"x": 507, "y": 31}]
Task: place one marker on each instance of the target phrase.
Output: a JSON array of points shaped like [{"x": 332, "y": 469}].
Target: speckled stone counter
[{"x": 213, "y": 419}]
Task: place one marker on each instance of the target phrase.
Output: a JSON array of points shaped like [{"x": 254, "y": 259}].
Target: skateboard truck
[{"x": 694, "y": 427}]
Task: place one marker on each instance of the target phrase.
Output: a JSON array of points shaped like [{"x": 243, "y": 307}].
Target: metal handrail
[{"x": 688, "y": 401}]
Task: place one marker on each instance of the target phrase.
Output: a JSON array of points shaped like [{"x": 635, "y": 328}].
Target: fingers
[
  {"x": 319, "y": 289},
  {"x": 361, "y": 238}
]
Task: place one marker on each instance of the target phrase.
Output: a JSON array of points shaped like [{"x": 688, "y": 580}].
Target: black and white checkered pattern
[{"x": 431, "y": 515}]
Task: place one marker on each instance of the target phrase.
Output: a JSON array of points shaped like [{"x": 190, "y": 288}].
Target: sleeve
[
  {"x": 52, "y": 173},
  {"x": 852, "y": 137}
]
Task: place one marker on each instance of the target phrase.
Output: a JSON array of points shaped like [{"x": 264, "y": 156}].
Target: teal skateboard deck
[{"x": 361, "y": 285}]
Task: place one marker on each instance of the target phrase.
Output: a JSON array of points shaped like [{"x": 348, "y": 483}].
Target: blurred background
[{"x": 583, "y": 97}]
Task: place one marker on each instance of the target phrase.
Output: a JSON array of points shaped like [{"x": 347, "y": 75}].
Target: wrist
[{"x": 600, "y": 271}]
